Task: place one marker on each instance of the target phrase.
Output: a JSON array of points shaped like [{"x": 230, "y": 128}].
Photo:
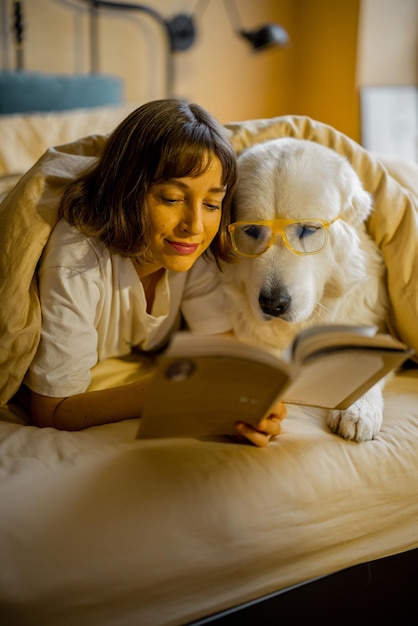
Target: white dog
[{"x": 310, "y": 273}]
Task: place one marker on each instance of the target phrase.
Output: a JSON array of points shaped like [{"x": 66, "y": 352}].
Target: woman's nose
[{"x": 193, "y": 219}]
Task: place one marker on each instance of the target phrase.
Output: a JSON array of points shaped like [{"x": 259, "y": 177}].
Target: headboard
[
  {"x": 27, "y": 92},
  {"x": 39, "y": 110}
]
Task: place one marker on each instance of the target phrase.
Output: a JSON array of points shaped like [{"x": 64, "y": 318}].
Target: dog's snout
[{"x": 274, "y": 303}]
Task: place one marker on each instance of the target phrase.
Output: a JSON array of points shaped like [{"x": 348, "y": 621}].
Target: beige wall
[
  {"x": 323, "y": 63},
  {"x": 219, "y": 71},
  {"x": 315, "y": 75},
  {"x": 388, "y": 43}
]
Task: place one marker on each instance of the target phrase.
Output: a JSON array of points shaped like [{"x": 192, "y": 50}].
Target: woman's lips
[{"x": 183, "y": 248}]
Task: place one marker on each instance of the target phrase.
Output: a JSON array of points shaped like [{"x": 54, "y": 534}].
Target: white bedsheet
[{"x": 97, "y": 528}]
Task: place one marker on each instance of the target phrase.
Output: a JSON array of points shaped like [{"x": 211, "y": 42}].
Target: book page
[
  {"x": 327, "y": 381},
  {"x": 321, "y": 335},
  {"x": 308, "y": 343}
]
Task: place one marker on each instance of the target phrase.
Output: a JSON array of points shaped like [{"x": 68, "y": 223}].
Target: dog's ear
[{"x": 358, "y": 202}]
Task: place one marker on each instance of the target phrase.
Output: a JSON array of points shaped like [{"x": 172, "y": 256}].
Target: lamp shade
[
  {"x": 266, "y": 36},
  {"x": 181, "y": 31}
]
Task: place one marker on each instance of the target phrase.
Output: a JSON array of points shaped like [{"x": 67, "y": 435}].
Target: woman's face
[{"x": 185, "y": 214}]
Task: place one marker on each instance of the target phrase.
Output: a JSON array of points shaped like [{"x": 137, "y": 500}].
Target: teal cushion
[{"x": 29, "y": 92}]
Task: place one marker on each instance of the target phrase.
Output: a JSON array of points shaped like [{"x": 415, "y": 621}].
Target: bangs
[
  {"x": 186, "y": 161},
  {"x": 192, "y": 155}
]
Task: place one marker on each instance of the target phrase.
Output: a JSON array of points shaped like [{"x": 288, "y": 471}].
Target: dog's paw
[{"x": 362, "y": 421}]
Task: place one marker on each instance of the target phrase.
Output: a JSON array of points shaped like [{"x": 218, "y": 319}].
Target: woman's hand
[{"x": 266, "y": 428}]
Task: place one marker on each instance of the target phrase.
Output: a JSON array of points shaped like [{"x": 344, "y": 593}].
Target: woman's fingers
[
  {"x": 279, "y": 411},
  {"x": 256, "y": 437},
  {"x": 267, "y": 428}
]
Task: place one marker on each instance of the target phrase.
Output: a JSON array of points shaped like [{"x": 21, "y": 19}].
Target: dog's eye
[
  {"x": 306, "y": 237},
  {"x": 253, "y": 231},
  {"x": 306, "y": 230}
]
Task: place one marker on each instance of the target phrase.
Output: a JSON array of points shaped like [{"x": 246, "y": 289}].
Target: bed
[{"x": 98, "y": 528}]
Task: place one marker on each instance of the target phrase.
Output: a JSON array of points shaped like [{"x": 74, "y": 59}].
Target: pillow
[
  {"x": 24, "y": 92},
  {"x": 25, "y": 137}
]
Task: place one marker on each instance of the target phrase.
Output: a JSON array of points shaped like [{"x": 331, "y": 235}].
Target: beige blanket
[{"x": 29, "y": 212}]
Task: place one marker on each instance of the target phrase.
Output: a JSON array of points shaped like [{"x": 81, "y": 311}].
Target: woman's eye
[
  {"x": 168, "y": 200},
  {"x": 213, "y": 207}
]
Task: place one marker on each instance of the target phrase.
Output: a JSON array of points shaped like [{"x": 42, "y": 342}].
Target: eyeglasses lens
[
  {"x": 252, "y": 239},
  {"x": 306, "y": 237},
  {"x": 302, "y": 237}
]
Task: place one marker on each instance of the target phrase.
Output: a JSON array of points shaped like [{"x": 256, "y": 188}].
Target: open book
[{"x": 204, "y": 384}]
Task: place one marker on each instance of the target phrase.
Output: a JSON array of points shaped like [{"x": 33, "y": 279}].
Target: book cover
[{"x": 203, "y": 385}]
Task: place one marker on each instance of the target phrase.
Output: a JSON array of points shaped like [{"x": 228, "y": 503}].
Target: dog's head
[
  {"x": 299, "y": 180},
  {"x": 296, "y": 179}
]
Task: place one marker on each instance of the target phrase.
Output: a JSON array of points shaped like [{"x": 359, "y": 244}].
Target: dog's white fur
[{"x": 344, "y": 284}]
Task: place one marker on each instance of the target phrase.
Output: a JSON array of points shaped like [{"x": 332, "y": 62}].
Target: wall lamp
[
  {"x": 180, "y": 31},
  {"x": 266, "y": 36}
]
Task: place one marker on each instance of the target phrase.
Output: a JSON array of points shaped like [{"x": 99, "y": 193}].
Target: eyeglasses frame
[{"x": 277, "y": 227}]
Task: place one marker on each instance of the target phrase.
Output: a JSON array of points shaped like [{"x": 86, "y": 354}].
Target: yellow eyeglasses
[{"x": 302, "y": 237}]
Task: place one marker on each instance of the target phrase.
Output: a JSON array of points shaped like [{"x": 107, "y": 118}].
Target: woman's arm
[
  {"x": 94, "y": 408},
  {"x": 91, "y": 408}
]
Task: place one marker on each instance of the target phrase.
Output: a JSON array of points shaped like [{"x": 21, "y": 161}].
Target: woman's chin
[{"x": 180, "y": 263}]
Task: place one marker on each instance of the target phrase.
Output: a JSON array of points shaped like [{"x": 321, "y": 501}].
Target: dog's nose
[{"x": 274, "y": 304}]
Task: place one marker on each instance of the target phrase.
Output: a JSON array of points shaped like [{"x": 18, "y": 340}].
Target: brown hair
[{"x": 160, "y": 140}]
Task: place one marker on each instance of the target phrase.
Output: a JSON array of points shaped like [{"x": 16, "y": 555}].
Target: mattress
[{"x": 98, "y": 527}]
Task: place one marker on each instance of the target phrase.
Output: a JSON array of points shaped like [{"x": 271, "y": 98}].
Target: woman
[{"x": 134, "y": 247}]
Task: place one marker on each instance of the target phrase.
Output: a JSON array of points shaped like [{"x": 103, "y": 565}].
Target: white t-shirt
[{"x": 94, "y": 307}]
